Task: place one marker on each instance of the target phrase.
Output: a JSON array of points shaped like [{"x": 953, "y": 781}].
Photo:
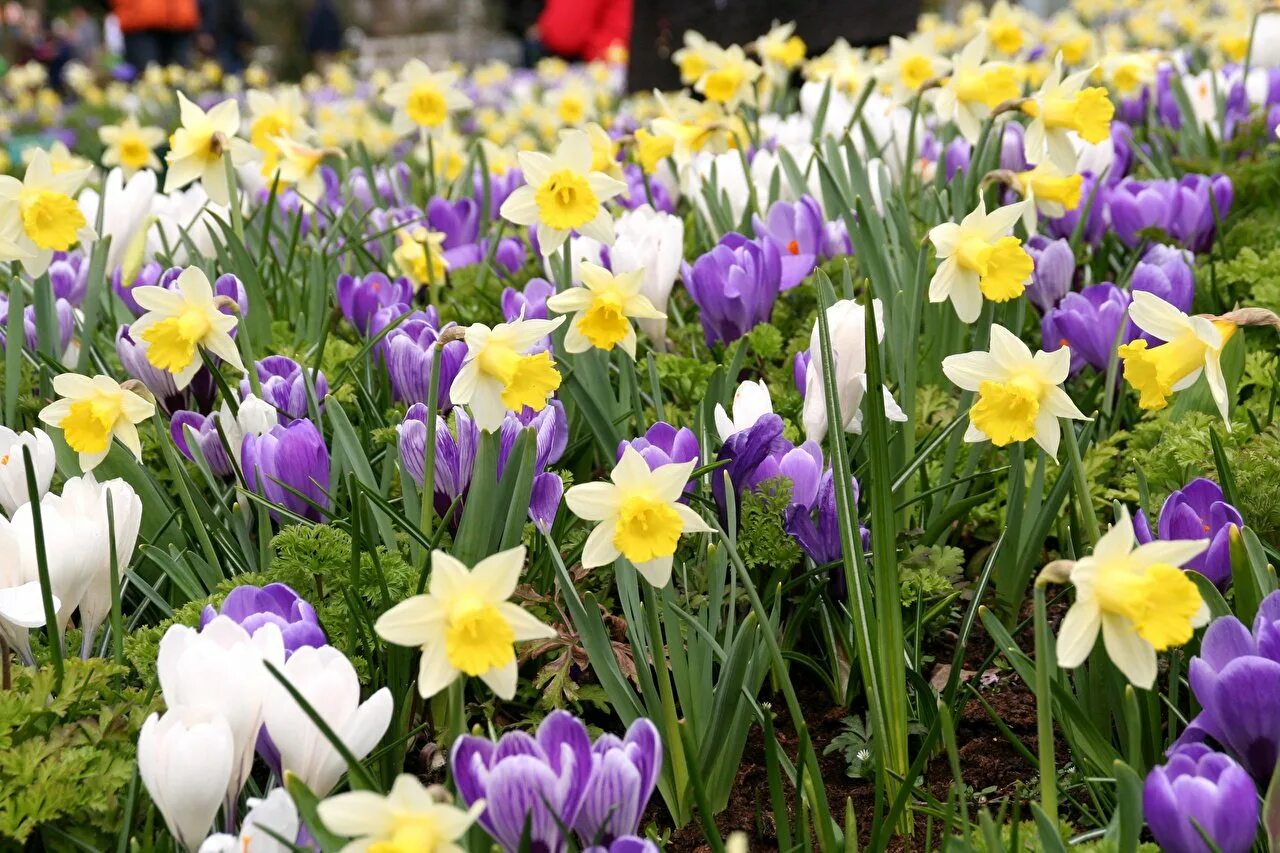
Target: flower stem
[{"x": 1044, "y": 710}]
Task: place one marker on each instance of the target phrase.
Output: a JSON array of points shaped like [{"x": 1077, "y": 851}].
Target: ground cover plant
[{"x": 871, "y": 450}]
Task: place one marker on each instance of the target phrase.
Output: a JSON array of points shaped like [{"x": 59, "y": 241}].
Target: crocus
[
  {"x": 663, "y": 444},
  {"x": 735, "y": 286},
  {"x": 1202, "y": 202},
  {"x": 13, "y": 468},
  {"x": 1138, "y": 206},
  {"x": 1196, "y": 511},
  {"x": 1166, "y": 271},
  {"x": 276, "y": 604},
  {"x": 624, "y": 774},
  {"x": 274, "y": 814},
  {"x": 544, "y": 500},
  {"x": 285, "y": 384},
  {"x": 86, "y": 499},
  {"x": 185, "y": 759},
  {"x": 286, "y": 460},
  {"x": 530, "y": 303},
  {"x": 1055, "y": 267},
  {"x": 360, "y": 297},
  {"x": 1200, "y": 790},
  {"x": 1089, "y": 323},
  {"x": 750, "y": 403},
  {"x": 798, "y": 230},
  {"x": 328, "y": 681},
  {"x": 535, "y": 782},
  {"x": 652, "y": 241},
  {"x": 21, "y": 599},
  {"x": 407, "y": 818},
  {"x": 410, "y": 348},
  {"x": 814, "y": 522}
]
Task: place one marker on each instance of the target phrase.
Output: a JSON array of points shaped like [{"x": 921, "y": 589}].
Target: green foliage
[
  {"x": 68, "y": 758},
  {"x": 929, "y": 574},
  {"x": 762, "y": 540},
  {"x": 854, "y": 742},
  {"x": 1251, "y": 278},
  {"x": 1258, "y": 229}
]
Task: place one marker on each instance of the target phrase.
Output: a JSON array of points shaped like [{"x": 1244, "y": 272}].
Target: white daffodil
[
  {"x": 974, "y": 88},
  {"x": 562, "y": 194},
  {"x": 298, "y": 165},
  {"x": 93, "y": 411},
  {"x": 131, "y": 146},
  {"x": 1019, "y": 394},
  {"x": 751, "y": 402},
  {"x": 639, "y": 515},
  {"x": 846, "y": 321},
  {"x": 1048, "y": 192},
  {"x": 464, "y": 624},
  {"x": 911, "y": 63},
  {"x": 423, "y": 98},
  {"x": 980, "y": 259},
  {"x": 180, "y": 321},
  {"x": 39, "y": 215},
  {"x": 729, "y": 77},
  {"x": 407, "y": 818},
  {"x": 1138, "y": 598},
  {"x": 196, "y": 148},
  {"x": 271, "y": 115},
  {"x": 501, "y": 375},
  {"x": 13, "y": 470},
  {"x": 1061, "y": 107},
  {"x": 603, "y": 309}
]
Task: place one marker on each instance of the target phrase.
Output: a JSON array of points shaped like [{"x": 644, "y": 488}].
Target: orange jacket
[{"x": 175, "y": 15}]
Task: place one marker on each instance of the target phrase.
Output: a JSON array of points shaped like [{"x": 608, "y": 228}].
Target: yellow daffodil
[
  {"x": 298, "y": 165},
  {"x": 911, "y": 63},
  {"x": 1048, "y": 191},
  {"x": 464, "y": 624},
  {"x": 639, "y": 515},
  {"x": 47, "y": 216},
  {"x": 1060, "y": 107},
  {"x": 1005, "y": 28},
  {"x": 1193, "y": 345},
  {"x": 980, "y": 259},
  {"x": 1019, "y": 394},
  {"x": 604, "y": 151},
  {"x": 196, "y": 148},
  {"x": 562, "y": 194},
  {"x": 571, "y": 105},
  {"x": 781, "y": 49},
  {"x": 423, "y": 98},
  {"x": 420, "y": 256},
  {"x": 500, "y": 373},
  {"x": 729, "y": 78},
  {"x": 275, "y": 115},
  {"x": 694, "y": 58},
  {"x": 93, "y": 411},
  {"x": 974, "y": 88},
  {"x": 407, "y": 820},
  {"x": 1138, "y": 598},
  {"x": 604, "y": 306},
  {"x": 845, "y": 66},
  {"x": 131, "y": 146},
  {"x": 651, "y": 149},
  {"x": 180, "y": 321}
]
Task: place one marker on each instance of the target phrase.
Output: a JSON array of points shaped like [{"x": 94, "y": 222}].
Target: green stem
[
  {"x": 671, "y": 721},
  {"x": 42, "y": 568},
  {"x": 1080, "y": 482},
  {"x": 1044, "y": 709}
]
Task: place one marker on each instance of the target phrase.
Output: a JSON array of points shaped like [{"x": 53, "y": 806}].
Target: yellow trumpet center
[
  {"x": 1154, "y": 371},
  {"x": 1006, "y": 411},
  {"x": 51, "y": 219},
  {"x": 477, "y": 638},
  {"x": 566, "y": 201},
  {"x": 427, "y": 105},
  {"x": 87, "y": 427},
  {"x": 410, "y": 833},
  {"x": 605, "y": 323},
  {"x": 647, "y": 529},
  {"x": 1160, "y": 600},
  {"x": 171, "y": 343}
]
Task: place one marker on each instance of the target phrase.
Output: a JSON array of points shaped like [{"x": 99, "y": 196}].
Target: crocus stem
[
  {"x": 456, "y": 725},
  {"x": 1080, "y": 483},
  {"x": 1044, "y": 710},
  {"x": 671, "y": 722},
  {"x": 6, "y": 671},
  {"x": 42, "y": 570}
]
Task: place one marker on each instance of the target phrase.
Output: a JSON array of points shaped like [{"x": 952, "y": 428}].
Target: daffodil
[
  {"x": 464, "y": 623},
  {"x": 423, "y": 98},
  {"x": 501, "y": 375},
  {"x": 639, "y": 515},
  {"x": 196, "y": 148},
  {"x": 980, "y": 259},
  {"x": 652, "y": 149},
  {"x": 562, "y": 194},
  {"x": 407, "y": 820},
  {"x": 605, "y": 304},
  {"x": 1193, "y": 345},
  {"x": 1005, "y": 29},
  {"x": 974, "y": 88},
  {"x": 298, "y": 165},
  {"x": 1019, "y": 394},
  {"x": 693, "y": 58},
  {"x": 47, "y": 217},
  {"x": 420, "y": 256},
  {"x": 911, "y": 63},
  {"x": 180, "y": 321},
  {"x": 92, "y": 411},
  {"x": 1061, "y": 107},
  {"x": 1048, "y": 191},
  {"x": 272, "y": 116},
  {"x": 131, "y": 146},
  {"x": 781, "y": 49},
  {"x": 729, "y": 77},
  {"x": 1138, "y": 598}
]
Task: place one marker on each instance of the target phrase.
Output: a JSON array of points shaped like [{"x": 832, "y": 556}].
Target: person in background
[
  {"x": 224, "y": 33},
  {"x": 322, "y": 37},
  {"x": 84, "y": 35},
  {"x": 157, "y": 32},
  {"x": 584, "y": 29},
  {"x": 521, "y": 20}
]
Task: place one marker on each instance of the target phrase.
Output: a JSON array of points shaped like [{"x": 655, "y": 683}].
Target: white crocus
[
  {"x": 185, "y": 760},
  {"x": 328, "y": 681},
  {"x": 74, "y": 540},
  {"x": 195, "y": 668},
  {"x": 725, "y": 176},
  {"x": 846, "y": 320},
  {"x": 751, "y": 402},
  {"x": 86, "y": 496},
  {"x": 13, "y": 469},
  {"x": 1019, "y": 394},
  {"x": 652, "y": 241},
  {"x": 127, "y": 215},
  {"x": 185, "y": 217},
  {"x": 274, "y": 813},
  {"x": 21, "y": 604}
]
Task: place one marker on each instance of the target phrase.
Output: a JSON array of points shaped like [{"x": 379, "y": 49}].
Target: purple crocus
[
  {"x": 64, "y": 322},
  {"x": 286, "y": 460},
  {"x": 797, "y": 230},
  {"x": 284, "y": 385},
  {"x": 801, "y": 465},
  {"x": 360, "y": 297},
  {"x": 745, "y": 451},
  {"x": 69, "y": 277},
  {"x": 1166, "y": 272},
  {"x": 663, "y": 444},
  {"x": 538, "y": 784},
  {"x": 274, "y": 604},
  {"x": 1198, "y": 786},
  {"x": 459, "y": 222},
  {"x": 735, "y": 286},
  {"x": 531, "y": 303},
  {"x": 410, "y": 348},
  {"x": 1202, "y": 202},
  {"x": 956, "y": 156},
  {"x": 816, "y": 526},
  {"x": 544, "y": 500},
  {"x": 149, "y": 275},
  {"x": 1197, "y": 511},
  {"x": 1089, "y": 322},
  {"x": 623, "y": 776},
  {"x": 1055, "y": 268},
  {"x": 625, "y": 844},
  {"x": 1141, "y": 206},
  {"x": 186, "y": 427}
]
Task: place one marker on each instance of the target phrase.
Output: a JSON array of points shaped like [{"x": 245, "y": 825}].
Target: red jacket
[
  {"x": 584, "y": 29},
  {"x": 176, "y": 15}
]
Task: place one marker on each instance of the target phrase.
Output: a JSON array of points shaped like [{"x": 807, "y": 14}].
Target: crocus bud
[
  {"x": 1197, "y": 511},
  {"x": 185, "y": 761},
  {"x": 1200, "y": 786},
  {"x": 13, "y": 470}
]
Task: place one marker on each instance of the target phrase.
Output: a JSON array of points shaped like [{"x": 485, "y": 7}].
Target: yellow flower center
[
  {"x": 477, "y": 639},
  {"x": 1153, "y": 371},
  {"x": 915, "y": 71},
  {"x": 1234, "y": 46},
  {"x": 605, "y": 323},
  {"x": 1008, "y": 269},
  {"x": 692, "y": 66},
  {"x": 1160, "y": 600},
  {"x": 420, "y": 257},
  {"x": 571, "y": 109},
  {"x": 134, "y": 153},
  {"x": 722, "y": 84},
  {"x": 647, "y": 529},
  {"x": 528, "y": 380},
  {"x": 652, "y": 149},
  {"x": 1006, "y": 36},
  {"x": 1052, "y": 188},
  {"x": 1088, "y": 112},
  {"x": 565, "y": 200},
  {"x": 1075, "y": 48},
  {"x": 1006, "y": 411},
  {"x": 427, "y": 105},
  {"x": 87, "y": 427},
  {"x": 269, "y": 125},
  {"x": 1127, "y": 78},
  {"x": 171, "y": 343},
  {"x": 51, "y": 219},
  {"x": 410, "y": 833}
]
